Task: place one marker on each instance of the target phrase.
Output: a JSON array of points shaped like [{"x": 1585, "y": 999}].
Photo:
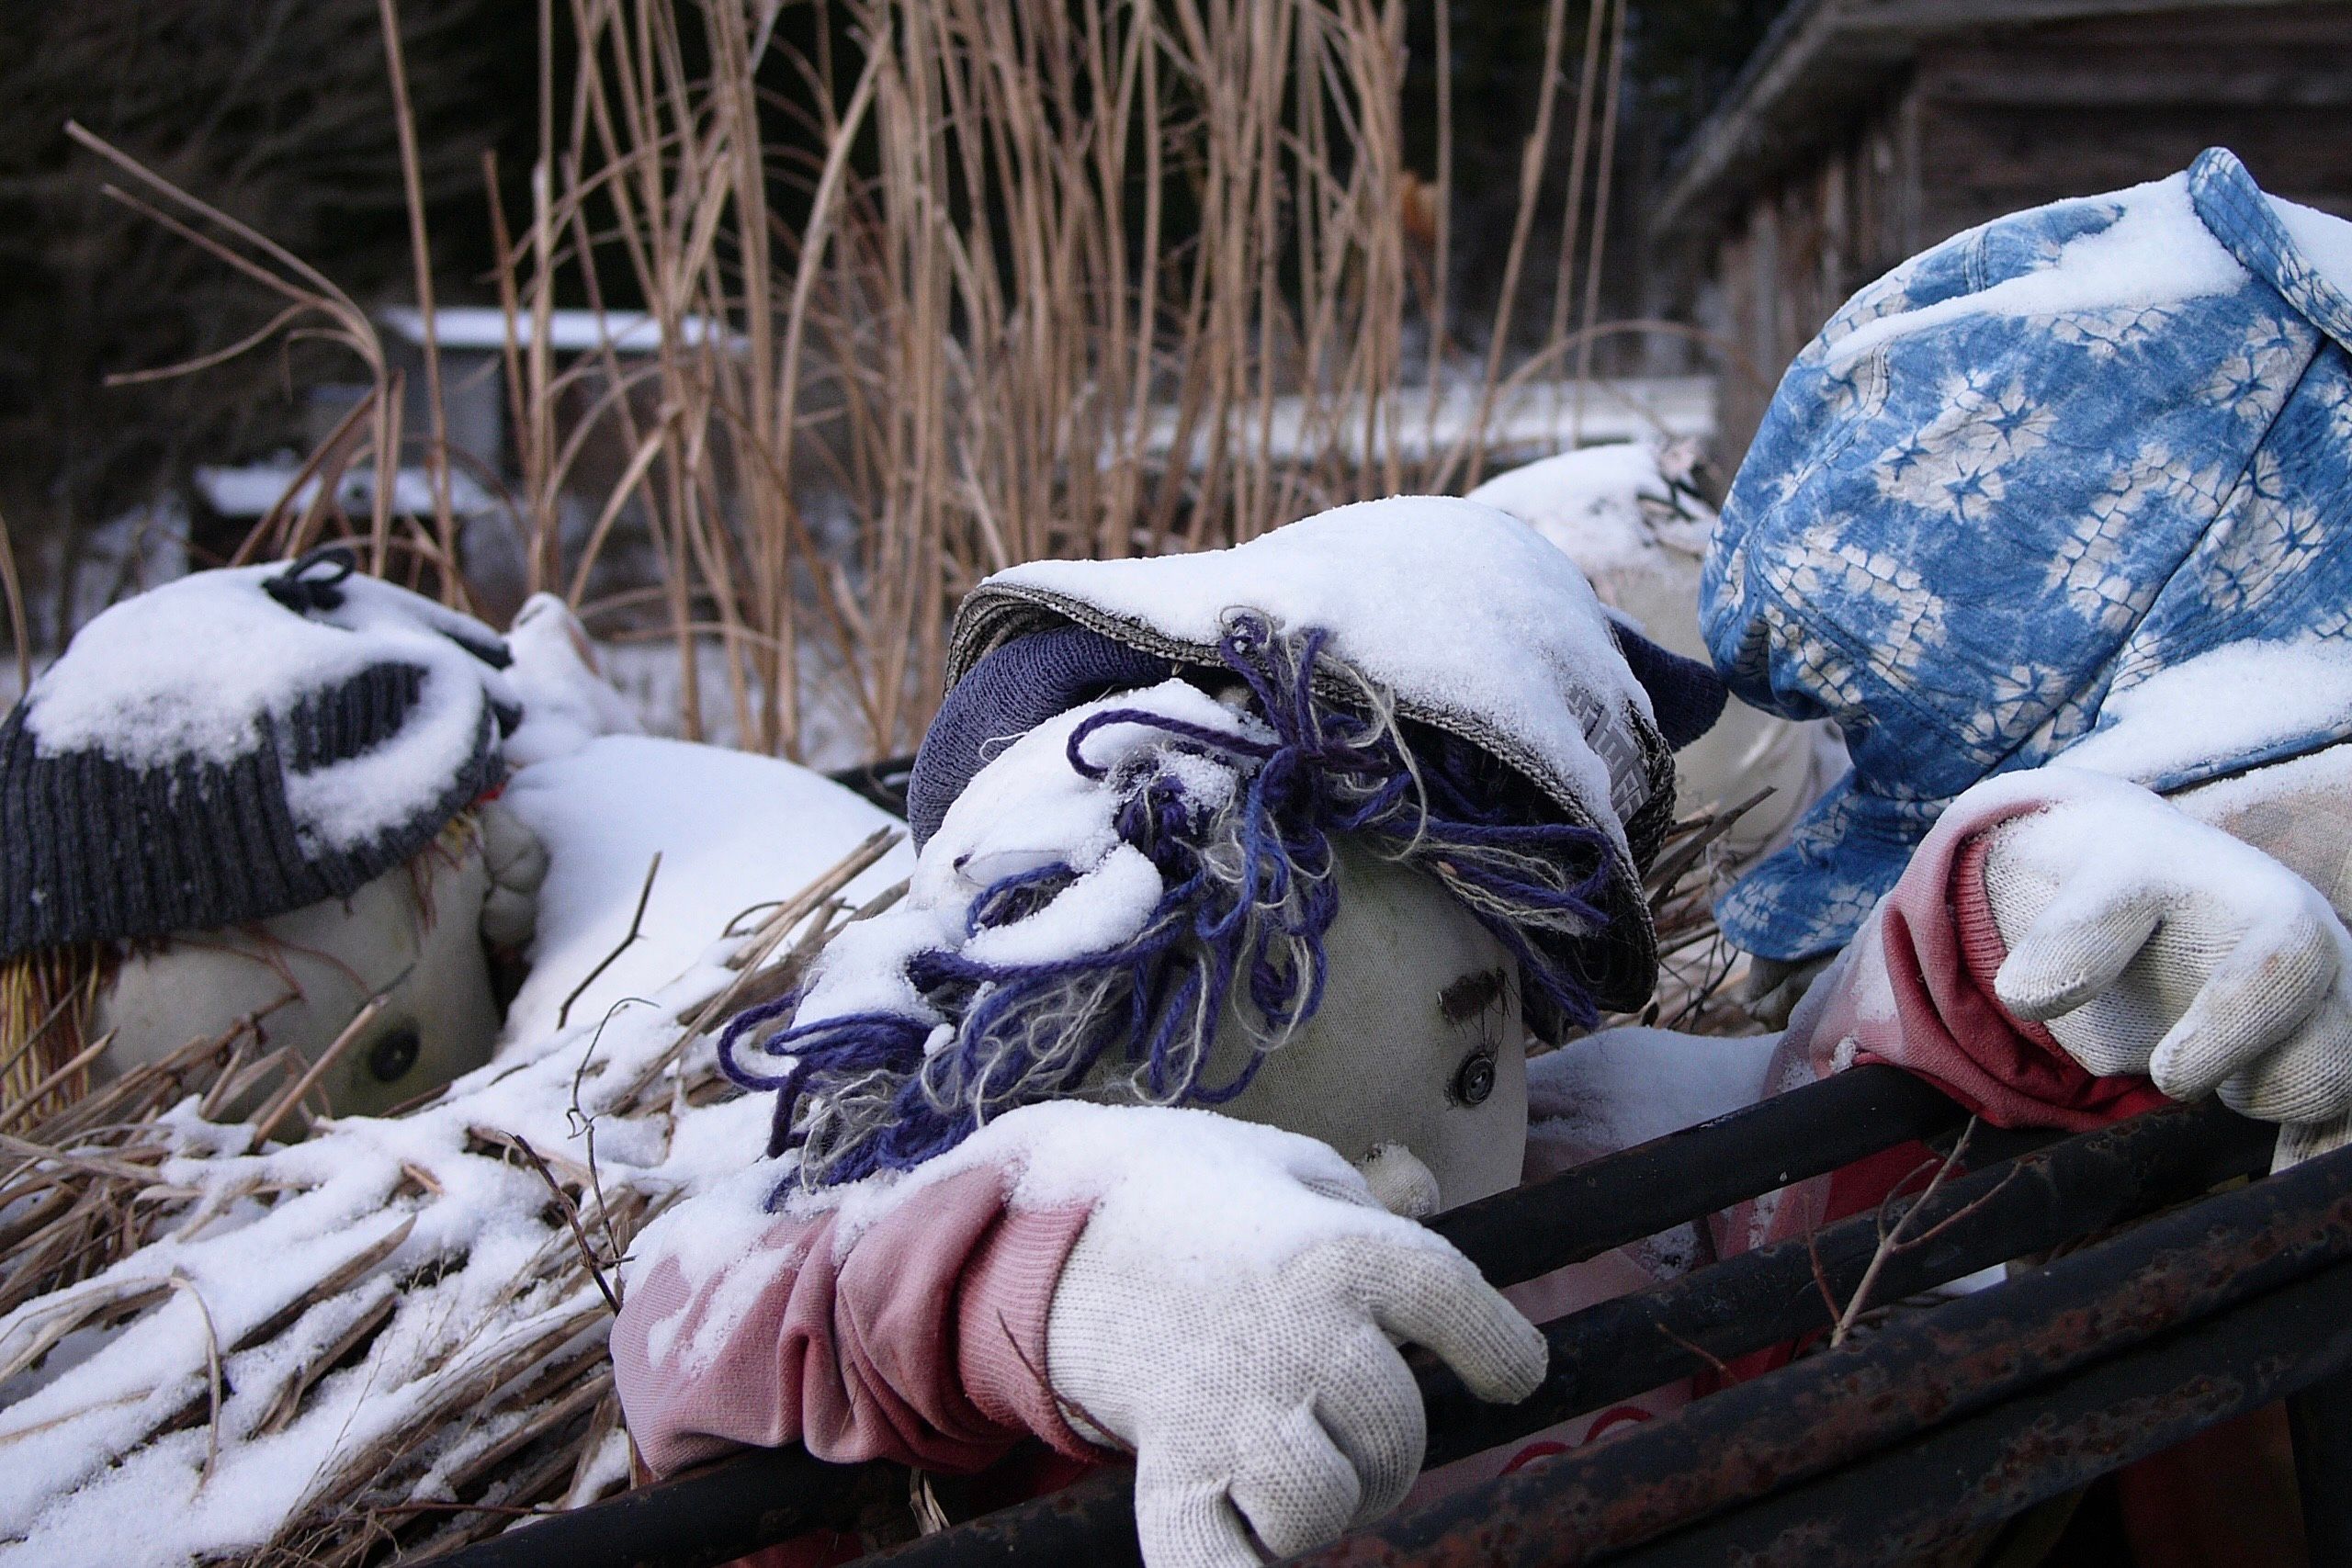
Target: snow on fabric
[
  {"x": 1610, "y": 509},
  {"x": 1643, "y": 540},
  {"x": 472, "y": 1283},
  {"x": 566, "y": 700},
  {"x": 2131, "y": 414},
  {"x": 733, "y": 830},
  {"x": 1617, "y": 1087},
  {"x": 1027, "y": 811},
  {"x": 1461, "y": 611},
  {"x": 195, "y": 669},
  {"x": 2239, "y": 707}
]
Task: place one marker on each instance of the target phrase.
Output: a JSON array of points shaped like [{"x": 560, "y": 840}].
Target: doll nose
[{"x": 1401, "y": 1183}]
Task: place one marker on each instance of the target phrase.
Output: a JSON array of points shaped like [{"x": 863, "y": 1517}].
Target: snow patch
[
  {"x": 1504, "y": 636},
  {"x": 2246, "y": 701},
  {"x": 2157, "y": 252},
  {"x": 735, "y": 833}
]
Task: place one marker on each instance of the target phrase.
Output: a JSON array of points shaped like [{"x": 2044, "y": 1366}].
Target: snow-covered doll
[
  {"x": 2046, "y": 521},
  {"x": 264, "y": 793}
]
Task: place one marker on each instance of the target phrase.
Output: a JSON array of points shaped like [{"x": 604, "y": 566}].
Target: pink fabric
[
  {"x": 925, "y": 1344},
  {"x": 1916, "y": 989}
]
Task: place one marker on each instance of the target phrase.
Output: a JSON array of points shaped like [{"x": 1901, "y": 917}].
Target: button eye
[
  {"x": 389, "y": 1059},
  {"x": 1475, "y": 1079}
]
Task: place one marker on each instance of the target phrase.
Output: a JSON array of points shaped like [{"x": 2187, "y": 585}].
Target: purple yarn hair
[{"x": 861, "y": 1094}]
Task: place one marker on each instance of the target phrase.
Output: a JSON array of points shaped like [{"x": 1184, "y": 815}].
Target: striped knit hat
[{"x": 238, "y": 744}]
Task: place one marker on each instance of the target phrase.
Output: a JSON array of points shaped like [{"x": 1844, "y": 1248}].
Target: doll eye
[
  {"x": 389, "y": 1059},
  {"x": 1475, "y": 1079}
]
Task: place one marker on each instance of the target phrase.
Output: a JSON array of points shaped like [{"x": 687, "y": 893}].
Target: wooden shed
[{"x": 1864, "y": 131}]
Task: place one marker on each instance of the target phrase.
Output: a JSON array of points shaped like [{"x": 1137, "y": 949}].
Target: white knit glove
[
  {"x": 1228, "y": 1315},
  {"x": 2149, "y": 943}
]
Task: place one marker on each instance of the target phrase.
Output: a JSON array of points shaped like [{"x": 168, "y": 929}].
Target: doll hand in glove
[
  {"x": 1228, "y": 1314},
  {"x": 518, "y": 863},
  {"x": 2149, "y": 943}
]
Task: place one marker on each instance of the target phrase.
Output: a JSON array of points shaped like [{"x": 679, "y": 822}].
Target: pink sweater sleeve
[{"x": 923, "y": 1341}]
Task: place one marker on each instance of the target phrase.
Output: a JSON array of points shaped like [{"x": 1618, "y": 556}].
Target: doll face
[
  {"x": 1418, "y": 1044},
  {"x": 416, "y": 930}
]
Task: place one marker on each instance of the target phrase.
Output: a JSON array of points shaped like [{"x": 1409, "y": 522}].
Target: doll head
[
  {"x": 1247, "y": 874},
  {"x": 261, "y": 792}
]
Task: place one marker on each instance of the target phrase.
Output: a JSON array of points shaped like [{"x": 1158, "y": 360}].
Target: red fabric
[
  {"x": 925, "y": 1344},
  {"x": 1932, "y": 949}
]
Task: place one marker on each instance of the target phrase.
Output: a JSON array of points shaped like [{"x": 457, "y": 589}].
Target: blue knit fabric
[
  {"x": 1016, "y": 688},
  {"x": 2060, "y": 454}
]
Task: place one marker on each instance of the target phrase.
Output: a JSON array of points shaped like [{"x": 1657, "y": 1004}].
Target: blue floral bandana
[{"x": 2014, "y": 479}]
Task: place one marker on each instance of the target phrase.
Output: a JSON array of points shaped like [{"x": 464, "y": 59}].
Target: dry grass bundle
[
  {"x": 389, "y": 1334},
  {"x": 47, "y": 1001}
]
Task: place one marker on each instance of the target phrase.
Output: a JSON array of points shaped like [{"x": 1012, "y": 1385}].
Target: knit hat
[
  {"x": 1474, "y": 627},
  {"x": 2017, "y": 479},
  {"x": 238, "y": 744}
]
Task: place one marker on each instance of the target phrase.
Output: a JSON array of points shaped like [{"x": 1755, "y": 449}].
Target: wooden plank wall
[
  {"x": 1987, "y": 124},
  {"x": 1805, "y": 246}
]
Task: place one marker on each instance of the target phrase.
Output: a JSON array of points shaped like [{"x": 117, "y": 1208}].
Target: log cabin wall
[{"x": 1981, "y": 123}]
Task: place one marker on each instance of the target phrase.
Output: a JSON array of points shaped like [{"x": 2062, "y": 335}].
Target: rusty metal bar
[
  {"x": 712, "y": 1515},
  {"x": 1583, "y": 1213},
  {"x": 2321, "y": 1419},
  {"x": 1925, "y": 1371},
  {"x": 1619, "y": 1348},
  {"x": 1985, "y": 1468}
]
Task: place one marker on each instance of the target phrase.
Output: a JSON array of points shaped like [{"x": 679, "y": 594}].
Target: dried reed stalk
[
  {"x": 1027, "y": 280},
  {"x": 1113, "y": 277}
]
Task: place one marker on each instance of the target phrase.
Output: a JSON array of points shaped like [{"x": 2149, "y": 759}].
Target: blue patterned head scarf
[{"x": 2016, "y": 478}]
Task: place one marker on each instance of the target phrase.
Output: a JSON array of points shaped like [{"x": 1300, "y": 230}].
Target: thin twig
[
  {"x": 571, "y": 1216},
  {"x": 636, "y": 928},
  {"x": 1891, "y": 1241}
]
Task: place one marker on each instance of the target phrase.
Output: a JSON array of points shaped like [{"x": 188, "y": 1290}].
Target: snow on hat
[
  {"x": 237, "y": 744},
  {"x": 1465, "y": 616},
  {"x": 2015, "y": 480}
]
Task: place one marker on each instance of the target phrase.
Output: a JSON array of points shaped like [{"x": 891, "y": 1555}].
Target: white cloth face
[
  {"x": 1418, "y": 1042},
  {"x": 1234, "y": 1324},
  {"x": 416, "y": 929},
  {"x": 2149, "y": 941}
]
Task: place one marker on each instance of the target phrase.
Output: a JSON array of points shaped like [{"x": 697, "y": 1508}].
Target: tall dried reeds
[
  {"x": 953, "y": 283},
  {"x": 1054, "y": 271}
]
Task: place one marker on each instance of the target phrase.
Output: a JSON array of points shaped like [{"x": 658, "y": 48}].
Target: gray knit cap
[{"x": 238, "y": 744}]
